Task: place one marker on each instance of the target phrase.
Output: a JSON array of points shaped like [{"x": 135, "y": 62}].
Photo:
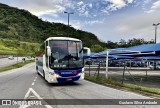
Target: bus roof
[{"x": 62, "y": 38}]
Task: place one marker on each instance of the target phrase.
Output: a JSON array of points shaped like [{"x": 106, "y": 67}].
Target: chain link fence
[{"x": 140, "y": 76}]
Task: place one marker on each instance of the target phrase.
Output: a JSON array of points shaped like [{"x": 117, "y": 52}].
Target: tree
[
  {"x": 96, "y": 48},
  {"x": 134, "y": 42}
]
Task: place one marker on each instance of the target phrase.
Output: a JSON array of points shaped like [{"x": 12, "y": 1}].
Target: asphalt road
[
  {"x": 6, "y": 62},
  {"x": 24, "y": 83}
]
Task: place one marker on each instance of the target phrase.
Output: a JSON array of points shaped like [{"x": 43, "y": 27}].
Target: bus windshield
[{"x": 66, "y": 54}]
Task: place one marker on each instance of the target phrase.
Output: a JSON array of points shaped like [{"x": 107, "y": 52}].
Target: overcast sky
[{"x": 108, "y": 19}]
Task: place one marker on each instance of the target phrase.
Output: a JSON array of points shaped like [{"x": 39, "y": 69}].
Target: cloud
[
  {"x": 139, "y": 26},
  {"x": 80, "y": 3},
  {"x": 96, "y": 16},
  {"x": 57, "y": 9},
  {"x": 126, "y": 26},
  {"x": 130, "y": 1},
  {"x": 38, "y": 7},
  {"x": 147, "y": 1},
  {"x": 139, "y": 22},
  {"x": 114, "y": 5},
  {"x": 77, "y": 24},
  {"x": 155, "y": 6},
  {"x": 93, "y": 22},
  {"x": 150, "y": 11},
  {"x": 84, "y": 9},
  {"x": 123, "y": 29}
]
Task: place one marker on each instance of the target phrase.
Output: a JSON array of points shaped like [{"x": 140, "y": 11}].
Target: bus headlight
[
  {"x": 79, "y": 74},
  {"x": 55, "y": 75}
]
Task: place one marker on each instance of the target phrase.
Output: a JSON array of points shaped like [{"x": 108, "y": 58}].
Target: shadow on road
[{"x": 65, "y": 84}]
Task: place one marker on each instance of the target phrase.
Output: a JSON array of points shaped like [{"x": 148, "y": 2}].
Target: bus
[{"x": 60, "y": 59}]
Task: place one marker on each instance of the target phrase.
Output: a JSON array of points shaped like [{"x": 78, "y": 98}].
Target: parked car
[
  {"x": 10, "y": 57},
  {"x": 152, "y": 67},
  {"x": 28, "y": 57}
]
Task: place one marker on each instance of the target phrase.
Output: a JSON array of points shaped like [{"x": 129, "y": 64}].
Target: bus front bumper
[{"x": 59, "y": 79}]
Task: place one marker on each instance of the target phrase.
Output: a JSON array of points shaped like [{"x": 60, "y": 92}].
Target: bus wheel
[
  {"x": 37, "y": 70},
  {"x": 44, "y": 76}
]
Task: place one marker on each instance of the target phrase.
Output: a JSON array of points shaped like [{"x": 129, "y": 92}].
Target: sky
[{"x": 109, "y": 20}]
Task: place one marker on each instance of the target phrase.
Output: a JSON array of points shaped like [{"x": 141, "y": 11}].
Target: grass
[
  {"x": 115, "y": 84},
  {"x": 18, "y": 65},
  {"x": 10, "y": 52},
  {"x": 14, "y": 47}
]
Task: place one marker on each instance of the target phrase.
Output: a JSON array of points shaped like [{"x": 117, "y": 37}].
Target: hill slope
[
  {"x": 22, "y": 25},
  {"x": 15, "y": 47}
]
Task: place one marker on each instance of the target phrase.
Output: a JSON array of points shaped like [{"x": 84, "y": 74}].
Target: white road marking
[
  {"x": 33, "y": 83},
  {"x": 36, "y": 94},
  {"x": 35, "y": 78}
]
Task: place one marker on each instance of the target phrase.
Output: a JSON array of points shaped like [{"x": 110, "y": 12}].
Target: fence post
[
  {"x": 124, "y": 69},
  {"x": 98, "y": 69},
  {"x": 107, "y": 64},
  {"x": 146, "y": 74},
  {"x": 89, "y": 69}
]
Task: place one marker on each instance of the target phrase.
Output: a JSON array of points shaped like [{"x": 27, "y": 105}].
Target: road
[
  {"x": 25, "y": 83},
  {"x": 6, "y": 62}
]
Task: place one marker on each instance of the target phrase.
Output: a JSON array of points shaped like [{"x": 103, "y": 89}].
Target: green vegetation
[
  {"x": 15, "y": 47},
  {"x": 18, "y": 65},
  {"x": 20, "y": 25},
  {"x": 116, "y": 84},
  {"x": 97, "y": 48}
]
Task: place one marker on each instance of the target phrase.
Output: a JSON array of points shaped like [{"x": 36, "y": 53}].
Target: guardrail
[{"x": 4, "y": 56}]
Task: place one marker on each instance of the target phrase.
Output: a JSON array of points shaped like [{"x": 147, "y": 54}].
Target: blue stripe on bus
[{"x": 68, "y": 73}]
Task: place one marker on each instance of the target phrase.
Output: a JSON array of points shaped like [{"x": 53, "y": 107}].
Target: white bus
[{"x": 61, "y": 59}]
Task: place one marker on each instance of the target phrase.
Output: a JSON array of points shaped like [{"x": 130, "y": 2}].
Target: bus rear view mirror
[
  {"x": 88, "y": 50},
  {"x": 48, "y": 51}
]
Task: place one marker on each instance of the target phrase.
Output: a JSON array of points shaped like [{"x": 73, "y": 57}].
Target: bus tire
[{"x": 37, "y": 70}]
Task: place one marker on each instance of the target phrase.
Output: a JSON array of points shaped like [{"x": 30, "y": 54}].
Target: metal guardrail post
[
  {"x": 131, "y": 76},
  {"x": 154, "y": 65},
  {"x": 124, "y": 69},
  {"x": 107, "y": 64},
  {"x": 89, "y": 69},
  {"x": 98, "y": 70},
  {"x": 146, "y": 74}
]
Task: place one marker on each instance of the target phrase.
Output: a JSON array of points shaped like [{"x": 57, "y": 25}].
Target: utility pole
[
  {"x": 68, "y": 20},
  {"x": 156, "y": 32},
  {"x": 155, "y": 41}
]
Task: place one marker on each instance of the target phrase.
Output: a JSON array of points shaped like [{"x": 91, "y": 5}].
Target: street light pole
[
  {"x": 155, "y": 41},
  {"x": 156, "y": 32},
  {"x": 68, "y": 20}
]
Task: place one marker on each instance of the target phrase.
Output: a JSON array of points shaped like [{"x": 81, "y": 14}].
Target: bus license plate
[{"x": 69, "y": 79}]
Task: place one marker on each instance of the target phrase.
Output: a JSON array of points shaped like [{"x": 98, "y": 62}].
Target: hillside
[
  {"x": 22, "y": 25},
  {"x": 14, "y": 47}
]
